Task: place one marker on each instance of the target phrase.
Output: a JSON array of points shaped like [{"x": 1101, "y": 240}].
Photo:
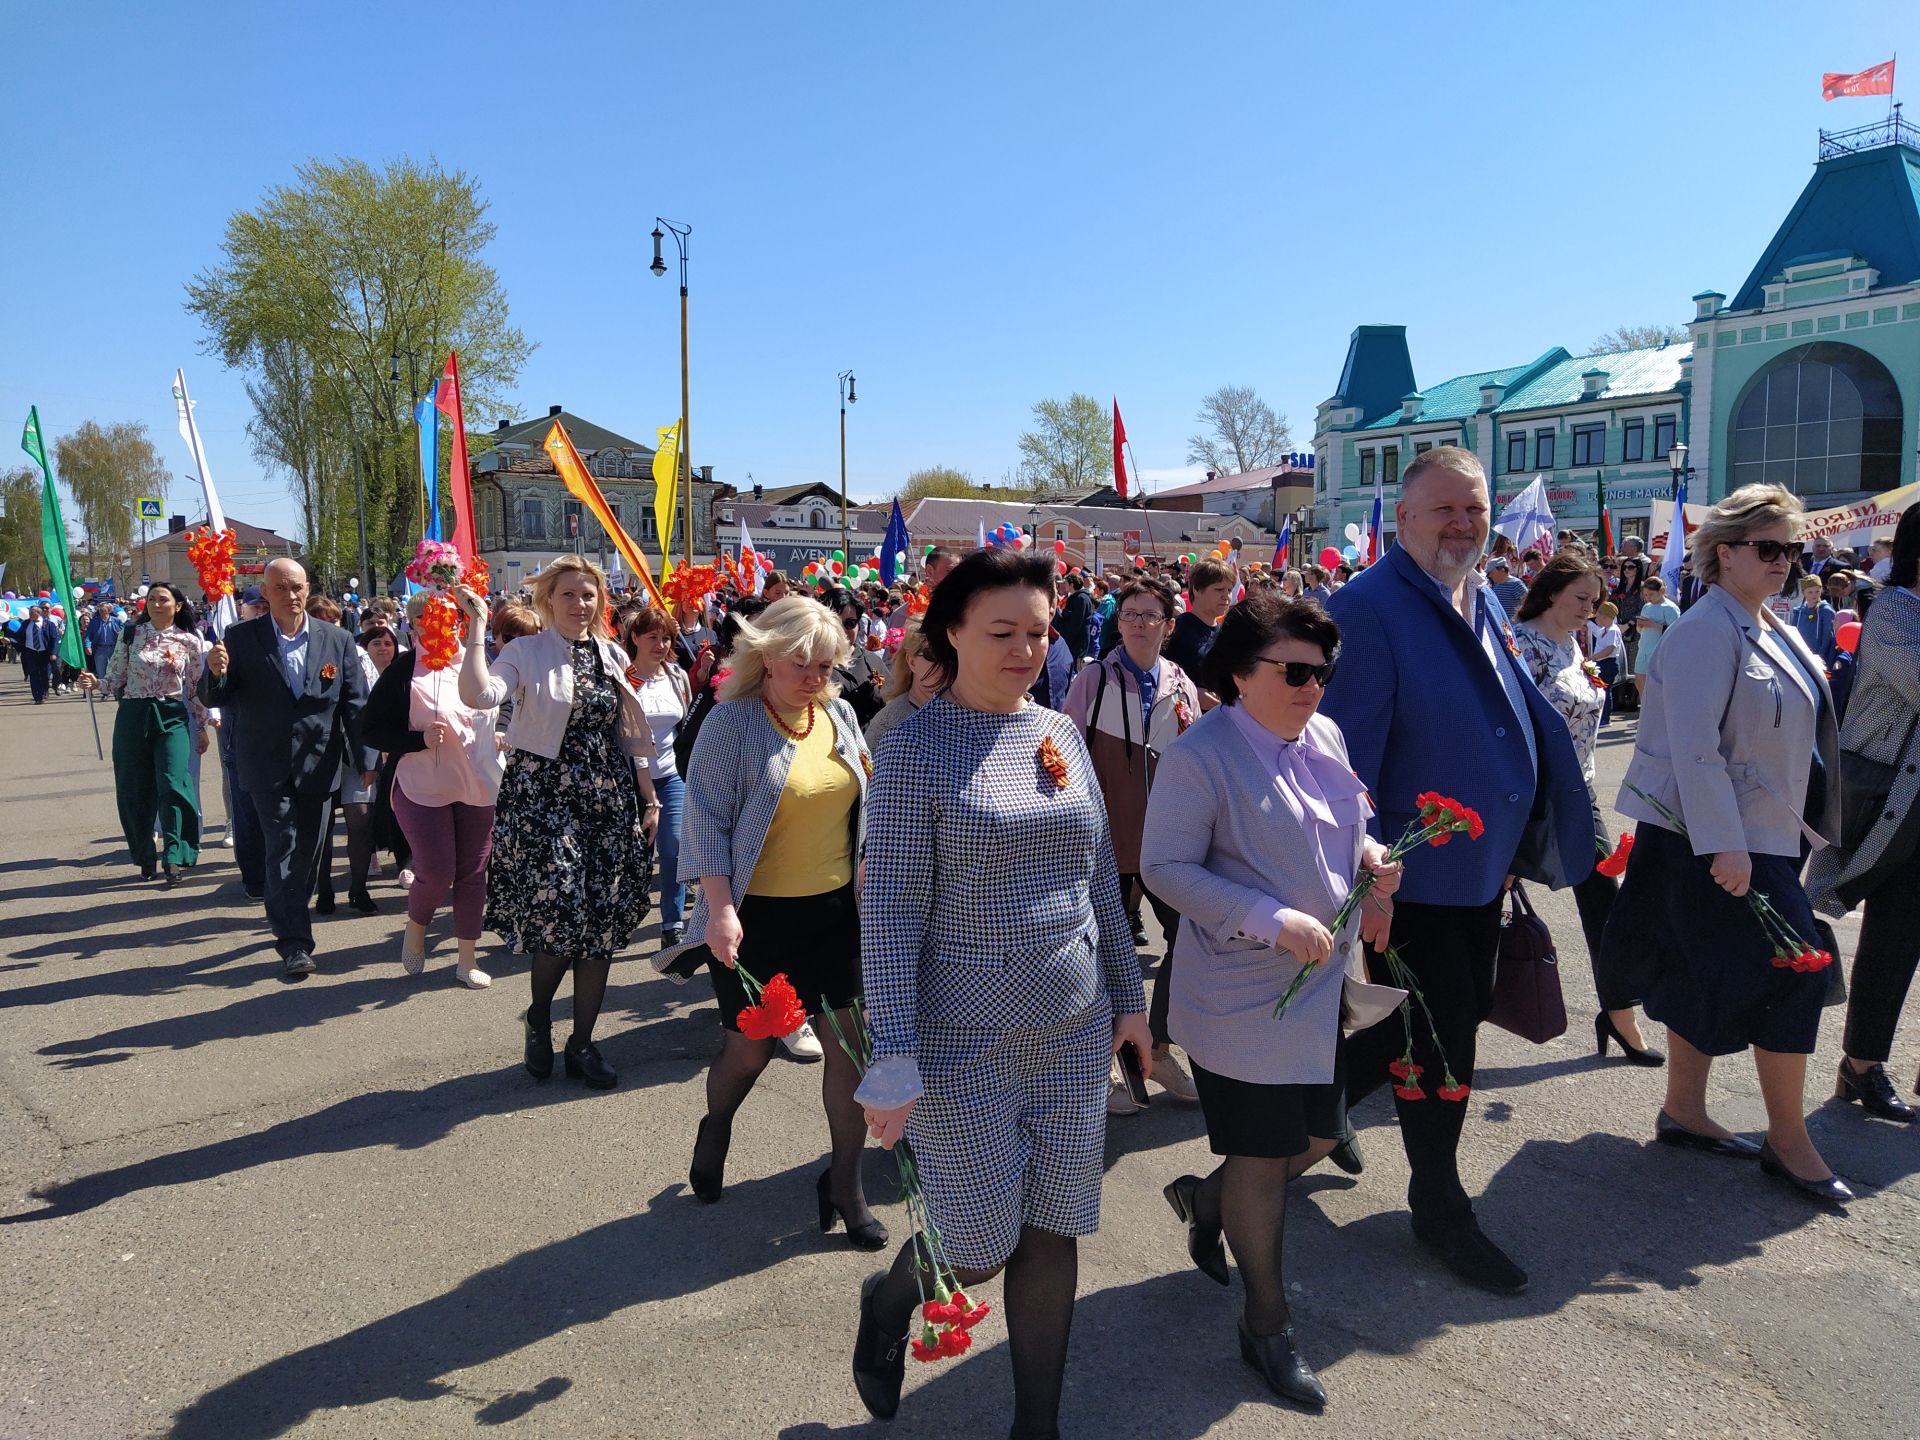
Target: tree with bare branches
[{"x": 1242, "y": 433}]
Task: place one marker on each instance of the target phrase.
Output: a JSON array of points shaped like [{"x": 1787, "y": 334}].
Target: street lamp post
[
  {"x": 681, "y": 235},
  {"x": 847, "y": 397},
  {"x": 1677, "y": 462}
]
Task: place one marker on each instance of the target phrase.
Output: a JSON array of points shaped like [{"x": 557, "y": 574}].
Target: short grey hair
[
  {"x": 1750, "y": 508},
  {"x": 1444, "y": 457}
]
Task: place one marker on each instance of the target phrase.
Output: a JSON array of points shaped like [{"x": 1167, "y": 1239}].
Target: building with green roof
[{"x": 1809, "y": 379}]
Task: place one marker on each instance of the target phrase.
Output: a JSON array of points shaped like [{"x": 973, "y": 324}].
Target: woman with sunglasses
[
  {"x": 1733, "y": 773},
  {"x": 1255, "y": 831}
]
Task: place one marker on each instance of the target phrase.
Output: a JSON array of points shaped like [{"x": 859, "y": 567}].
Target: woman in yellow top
[{"x": 772, "y": 834}]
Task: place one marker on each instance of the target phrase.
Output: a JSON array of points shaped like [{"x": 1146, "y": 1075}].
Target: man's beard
[{"x": 1447, "y": 564}]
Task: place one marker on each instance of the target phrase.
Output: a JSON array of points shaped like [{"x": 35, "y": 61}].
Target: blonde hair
[
  {"x": 1750, "y": 508},
  {"x": 900, "y": 677},
  {"x": 512, "y": 621},
  {"x": 1606, "y": 610},
  {"x": 548, "y": 578},
  {"x": 797, "y": 627}
]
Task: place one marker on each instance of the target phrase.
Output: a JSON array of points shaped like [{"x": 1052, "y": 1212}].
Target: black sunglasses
[
  {"x": 1298, "y": 672},
  {"x": 1771, "y": 550}
]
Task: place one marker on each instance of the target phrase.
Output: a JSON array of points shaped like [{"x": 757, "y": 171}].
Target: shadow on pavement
[{"x": 668, "y": 1249}]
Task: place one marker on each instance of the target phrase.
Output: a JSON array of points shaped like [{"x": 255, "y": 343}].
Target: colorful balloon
[
  {"x": 1329, "y": 557},
  {"x": 1847, "y": 637}
]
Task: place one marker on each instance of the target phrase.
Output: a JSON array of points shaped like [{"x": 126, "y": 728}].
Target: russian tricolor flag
[{"x": 1373, "y": 529}]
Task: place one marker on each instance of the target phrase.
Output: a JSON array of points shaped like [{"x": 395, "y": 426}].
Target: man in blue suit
[{"x": 1431, "y": 697}]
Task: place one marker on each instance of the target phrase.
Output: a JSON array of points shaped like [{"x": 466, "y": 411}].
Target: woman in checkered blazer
[{"x": 1000, "y": 979}]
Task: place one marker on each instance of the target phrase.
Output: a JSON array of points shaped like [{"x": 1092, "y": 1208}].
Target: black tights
[
  {"x": 589, "y": 991},
  {"x": 1041, "y": 1275},
  {"x": 731, "y": 1077},
  {"x": 359, "y": 847},
  {"x": 1246, "y": 1197}
]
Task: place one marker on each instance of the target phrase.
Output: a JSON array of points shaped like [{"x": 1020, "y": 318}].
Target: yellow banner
[
  {"x": 559, "y": 448},
  {"x": 666, "y": 489}
]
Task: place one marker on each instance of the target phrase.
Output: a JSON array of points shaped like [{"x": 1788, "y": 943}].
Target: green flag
[{"x": 53, "y": 539}]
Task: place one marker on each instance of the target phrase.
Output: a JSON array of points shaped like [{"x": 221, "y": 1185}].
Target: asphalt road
[{"x": 234, "y": 1207}]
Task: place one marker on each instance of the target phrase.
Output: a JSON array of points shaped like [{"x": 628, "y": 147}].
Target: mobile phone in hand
[{"x": 1135, "y": 1076}]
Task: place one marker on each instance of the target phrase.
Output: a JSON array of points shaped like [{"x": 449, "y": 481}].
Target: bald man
[{"x": 296, "y": 687}]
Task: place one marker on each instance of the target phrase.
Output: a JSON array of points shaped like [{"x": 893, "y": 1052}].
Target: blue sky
[{"x": 973, "y": 207}]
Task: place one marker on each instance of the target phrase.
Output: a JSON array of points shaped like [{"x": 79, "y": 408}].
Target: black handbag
[
  {"x": 1526, "y": 983},
  {"x": 1865, "y": 785}
]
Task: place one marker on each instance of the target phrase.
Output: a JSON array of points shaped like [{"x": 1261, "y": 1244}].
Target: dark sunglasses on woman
[
  {"x": 1771, "y": 550},
  {"x": 1297, "y": 672}
]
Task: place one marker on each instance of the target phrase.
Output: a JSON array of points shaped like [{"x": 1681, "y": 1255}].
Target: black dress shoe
[
  {"x": 670, "y": 937},
  {"x": 253, "y": 894},
  {"x": 147, "y": 871},
  {"x": 1669, "y": 1131},
  {"x": 870, "y": 1236},
  {"x": 1873, "y": 1090},
  {"x": 1464, "y": 1249},
  {"x": 1604, "y": 1030},
  {"x": 168, "y": 876},
  {"x": 1833, "y": 1189},
  {"x": 1139, "y": 928},
  {"x": 1275, "y": 1357},
  {"x": 583, "y": 1062},
  {"x": 1347, "y": 1154},
  {"x": 708, "y": 1181},
  {"x": 323, "y": 903},
  {"x": 879, "y": 1360},
  {"x": 1203, "y": 1241},
  {"x": 363, "y": 902},
  {"x": 539, "y": 1048}
]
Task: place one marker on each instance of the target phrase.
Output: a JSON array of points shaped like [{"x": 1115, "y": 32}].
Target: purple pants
[{"x": 450, "y": 848}]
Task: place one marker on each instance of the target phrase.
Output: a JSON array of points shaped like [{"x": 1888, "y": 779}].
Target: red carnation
[
  {"x": 1615, "y": 865},
  {"x": 953, "y": 1342},
  {"x": 1405, "y": 1069},
  {"x": 924, "y": 1351},
  {"x": 1454, "y": 1090},
  {"x": 778, "y": 1013},
  {"x": 973, "y": 1317},
  {"x": 1409, "y": 1092}
]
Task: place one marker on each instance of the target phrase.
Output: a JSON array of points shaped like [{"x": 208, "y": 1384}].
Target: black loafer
[
  {"x": 879, "y": 1360},
  {"x": 1833, "y": 1189},
  {"x": 1875, "y": 1092},
  {"x": 1275, "y": 1357},
  {"x": 584, "y": 1064},
  {"x": 539, "y": 1049},
  {"x": 363, "y": 902},
  {"x": 1464, "y": 1249},
  {"x": 1347, "y": 1154},
  {"x": 1203, "y": 1242},
  {"x": 1669, "y": 1131},
  {"x": 323, "y": 903}
]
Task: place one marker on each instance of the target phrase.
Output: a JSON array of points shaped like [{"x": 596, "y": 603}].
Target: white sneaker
[
  {"x": 1119, "y": 1100},
  {"x": 1171, "y": 1076},
  {"x": 226, "y": 840},
  {"x": 412, "y": 961},
  {"x": 406, "y": 879},
  {"x": 474, "y": 979},
  {"x": 803, "y": 1044}
]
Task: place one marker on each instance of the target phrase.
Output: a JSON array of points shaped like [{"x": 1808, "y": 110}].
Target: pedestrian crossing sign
[{"x": 148, "y": 507}]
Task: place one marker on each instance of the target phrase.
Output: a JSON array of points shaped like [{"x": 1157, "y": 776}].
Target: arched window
[
  {"x": 816, "y": 520},
  {"x": 1822, "y": 419}
]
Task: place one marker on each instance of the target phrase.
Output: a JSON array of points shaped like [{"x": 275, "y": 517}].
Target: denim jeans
[{"x": 671, "y": 791}]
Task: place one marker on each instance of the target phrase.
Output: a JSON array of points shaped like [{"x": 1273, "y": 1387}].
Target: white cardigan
[{"x": 536, "y": 671}]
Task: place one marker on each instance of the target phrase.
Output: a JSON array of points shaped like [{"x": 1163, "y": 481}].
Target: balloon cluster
[
  {"x": 1007, "y": 533},
  {"x": 839, "y": 571},
  {"x": 212, "y": 555}
]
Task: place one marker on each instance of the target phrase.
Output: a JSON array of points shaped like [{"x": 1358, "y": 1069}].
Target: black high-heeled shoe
[
  {"x": 539, "y": 1059},
  {"x": 585, "y": 1064},
  {"x": 1833, "y": 1189},
  {"x": 1604, "y": 1030},
  {"x": 361, "y": 901},
  {"x": 1275, "y": 1357},
  {"x": 168, "y": 877},
  {"x": 1203, "y": 1241},
  {"x": 879, "y": 1360},
  {"x": 1874, "y": 1091},
  {"x": 707, "y": 1184},
  {"x": 870, "y": 1236}
]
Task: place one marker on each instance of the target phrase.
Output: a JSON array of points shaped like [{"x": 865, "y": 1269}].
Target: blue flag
[
  {"x": 893, "y": 546},
  {"x": 427, "y": 417}
]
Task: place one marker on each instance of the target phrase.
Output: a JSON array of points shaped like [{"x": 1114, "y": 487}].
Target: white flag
[
  {"x": 225, "y": 612},
  {"x": 1527, "y": 517},
  {"x": 751, "y": 559}
]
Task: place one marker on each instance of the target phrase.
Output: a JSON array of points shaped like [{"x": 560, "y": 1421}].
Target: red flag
[
  {"x": 1877, "y": 81},
  {"x": 1119, "y": 461},
  {"x": 1606, "y": 532},
  {"x": 459, "y": 482}
]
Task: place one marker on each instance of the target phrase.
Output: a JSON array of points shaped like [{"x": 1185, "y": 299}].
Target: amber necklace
[{"x": 785, "y": 729}]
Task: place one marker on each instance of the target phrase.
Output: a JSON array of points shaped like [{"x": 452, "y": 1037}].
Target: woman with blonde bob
[
  {"x": 914, "y": 680},
  {"x": 1734, "y": 774},
  {"x": 572, "y": 857},
  {"x": 775, "y": 823}
]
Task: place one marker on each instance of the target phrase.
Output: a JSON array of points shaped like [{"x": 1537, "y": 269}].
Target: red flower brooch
[
  {"x": 327, "y": 672},
  {"x": 1053, "y": 762}
]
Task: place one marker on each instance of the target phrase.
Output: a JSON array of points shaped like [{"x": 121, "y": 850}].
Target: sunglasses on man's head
[
  {"x": 1771, "y": 550},
  {"x": 1297, "y": 672}
]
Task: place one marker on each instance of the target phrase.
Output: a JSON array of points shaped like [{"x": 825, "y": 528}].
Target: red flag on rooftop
[
  {"x": 1876, "y": 81},
  {"x": 1119, "y": 462}
]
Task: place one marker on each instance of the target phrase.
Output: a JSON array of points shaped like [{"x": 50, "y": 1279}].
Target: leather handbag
[
  {"x": 1526, "y": 983},
  {"x": 1865, "y": 785}
]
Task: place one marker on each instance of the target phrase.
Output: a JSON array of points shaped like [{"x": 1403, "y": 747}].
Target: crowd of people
[{"x": 928, "y": 821}]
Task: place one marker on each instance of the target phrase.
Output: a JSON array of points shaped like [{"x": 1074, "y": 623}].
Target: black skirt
[
  {"x": 814, "y": 940},
  {"x": 1700, "y": 956},
  {"x": 1271, "y": 1122}
]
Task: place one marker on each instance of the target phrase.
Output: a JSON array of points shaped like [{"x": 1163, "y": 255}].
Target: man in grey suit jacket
[{"x": 297, "y": 686}]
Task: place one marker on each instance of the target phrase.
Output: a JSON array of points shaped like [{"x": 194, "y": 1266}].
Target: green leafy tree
[
  {"x": 1638, "y": 337},
  {"x": 1242, "y": 433},
  {"x": 20, "y": 531},
  {"x": 1070, "y": 446},
  {"x": 322, "y": 292},
  {"x": 107, "y": 468},
  {"x": 938, "y": 482}
]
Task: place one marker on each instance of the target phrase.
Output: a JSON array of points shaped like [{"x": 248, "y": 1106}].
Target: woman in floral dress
[
  {"x": 572, "y": 858},
  {"x": 154, "y": 673}
]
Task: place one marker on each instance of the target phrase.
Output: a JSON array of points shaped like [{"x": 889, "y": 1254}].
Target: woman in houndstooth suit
[{"x": 1000, "y": 979}]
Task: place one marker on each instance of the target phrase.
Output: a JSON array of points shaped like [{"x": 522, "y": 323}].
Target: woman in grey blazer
[
  {"x": 1255, "y": 832},
  {"x": 1735, "y": 763},
  {"x": 1883, "y": 867}
]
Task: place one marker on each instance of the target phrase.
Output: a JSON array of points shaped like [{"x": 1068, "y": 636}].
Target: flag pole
[{"x": 98, "y": 752}]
